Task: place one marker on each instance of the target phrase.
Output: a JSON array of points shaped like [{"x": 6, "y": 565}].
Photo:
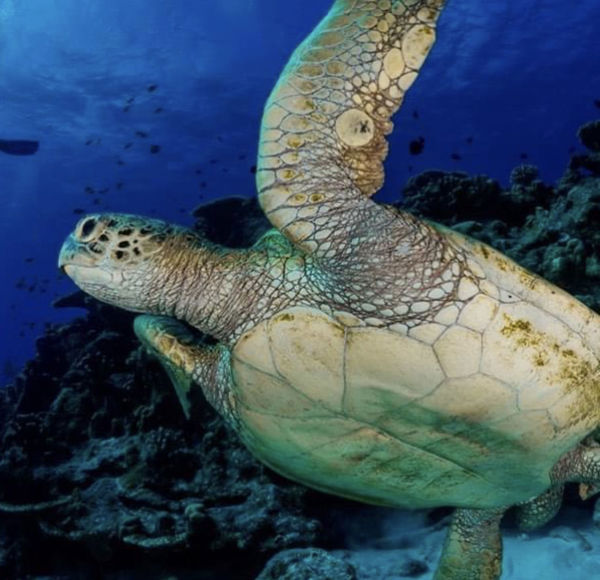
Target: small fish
[
  {"x": 78, "y": 211},
  {"x": 19, "y": 147},
  {"x": 416, "y": 146},
  {"x": 151, "y": 88},
  {"x": 456, "y": 156},
  {"x": 154, "y": 148},
  {"x": 158, "y": 110},
  {"x": 141, "y": 134},
  {"x": 597, "y": 103},
  {"x": 253, "y": 169}
]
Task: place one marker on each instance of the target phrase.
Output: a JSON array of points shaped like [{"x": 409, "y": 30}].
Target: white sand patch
[{"x": 568, "y": 549}]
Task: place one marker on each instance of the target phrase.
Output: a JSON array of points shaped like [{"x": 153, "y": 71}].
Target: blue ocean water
[{"x": 154, "y": 107}]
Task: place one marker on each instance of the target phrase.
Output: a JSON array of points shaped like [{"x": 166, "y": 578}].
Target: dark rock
[
  {"x": 77, "y": 299},
  {"x": 413, "y": 569},
  {"x": 307, "y": 564},
  {"x": 589, "y": 135},
  {"x": 524, "y": 175},
  {"x": 584, "y": 164},
  {"x": 235, "y": 222},
  {"x": 449, "y": 197},
  {"x": 589, "y": 163}
]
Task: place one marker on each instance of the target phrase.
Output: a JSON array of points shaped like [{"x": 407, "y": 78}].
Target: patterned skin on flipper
[{"x": 323, "y": 131}]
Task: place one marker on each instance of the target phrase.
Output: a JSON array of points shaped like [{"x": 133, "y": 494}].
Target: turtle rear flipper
[
  {"x": 540, "y": 510},
  {"x": 473, "y": 546},
  {"x": 187, "y": 361}
]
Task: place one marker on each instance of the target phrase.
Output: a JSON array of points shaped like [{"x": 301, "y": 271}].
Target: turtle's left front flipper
[
  {"x": 322, "y": 142},
  {"x": 188, "y": 361}
]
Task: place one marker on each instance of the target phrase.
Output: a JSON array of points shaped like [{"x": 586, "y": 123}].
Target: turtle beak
[
  {"x": 66, "y": 254},
  {"x": 62, "y": 260},
  {"x": 74, "y": 253},
  {"x": 79, "y": 264}
]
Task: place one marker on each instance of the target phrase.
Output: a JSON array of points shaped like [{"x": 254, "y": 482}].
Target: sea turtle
[{"x": 362, "y": 351}]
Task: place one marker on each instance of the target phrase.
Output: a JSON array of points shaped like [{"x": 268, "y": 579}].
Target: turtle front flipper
[
  {"x": 323, "y": 131},
  {"x": 473, "y": 547},
  {"x": 188, "y": 361}
]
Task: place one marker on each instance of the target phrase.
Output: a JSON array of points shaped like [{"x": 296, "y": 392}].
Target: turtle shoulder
[{"x": 274, "y": 243}]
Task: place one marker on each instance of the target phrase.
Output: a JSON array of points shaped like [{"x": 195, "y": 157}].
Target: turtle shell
[{"x": 471, "y": 411}]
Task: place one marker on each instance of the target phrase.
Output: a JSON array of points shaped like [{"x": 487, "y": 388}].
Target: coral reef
[
  {"x": 98, "y": 466},
  {"x": 307, "y": 564},
  {"x": 216, "y": 218},
  {"x": 589, "y": 135}
]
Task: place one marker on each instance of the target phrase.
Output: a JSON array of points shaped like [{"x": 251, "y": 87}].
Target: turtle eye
[{"x": 85, "y": 229}]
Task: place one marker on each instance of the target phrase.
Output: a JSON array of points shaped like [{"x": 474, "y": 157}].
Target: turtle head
[{"x": 124, "y": 260}]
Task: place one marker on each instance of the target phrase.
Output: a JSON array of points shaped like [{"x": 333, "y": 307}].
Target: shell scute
[
  {"x": 386, "y": 370},
  {"x": 268, "y": 394},
  {"x": 388, "y": 418},
  {"x": 459, "y": 351},
  {"x": 308, "y": 352}
]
